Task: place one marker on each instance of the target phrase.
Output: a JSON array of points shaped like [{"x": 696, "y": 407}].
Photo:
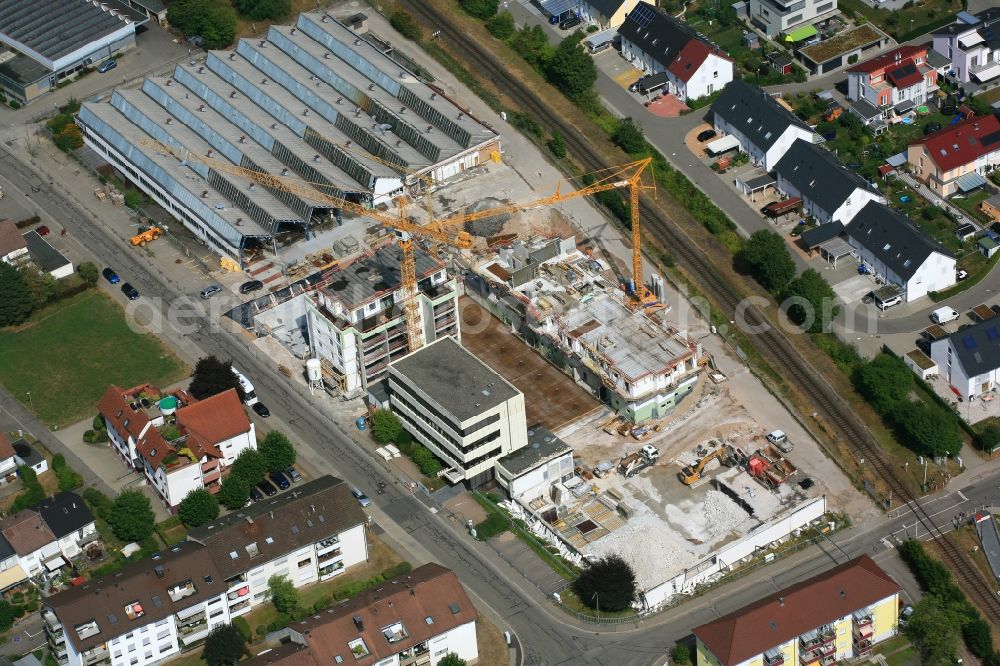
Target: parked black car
[
  {"x": 261, "y": 410},
  {"x": 706, "y": 135},
  {"x": 279, "y": 480},
  {"x": 251, "y": 285},
  {"x": 267, "y": 488},
  {"x": 131, "y": 292},
  {"x": 256, "y": 495}
]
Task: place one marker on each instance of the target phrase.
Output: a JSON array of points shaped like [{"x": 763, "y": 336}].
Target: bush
[
  {"x": 629, "y": 137},
  {"x": 99, "y": 423},
  {"x": 242, "y": 626},
  {"x": 385, "y": 426},
  {"x": 98, "y": 502},
  {"x": 404, "y": 24},
  {"x": 494, "y": 524},
  {"x": 68, "y": 478},
  {"x": 557, "y": 145},
  {"x": 284, "y": 596},
  {"x": 481, "y": 9},
  {"x": 264, "y": 10},
  {"x": 425, "y": 460},
  {"x": 134, "y": 199},
  {"x": 398, "y": 570},
  {"x": 502, "y": 26},
  {"x": 32, "y": 494},
  {"x": 680, "y": 654},
  {"x": 95, "y": 436},
  {"x": 279, "y": 622},
  {"x": 88, "y": 272}
]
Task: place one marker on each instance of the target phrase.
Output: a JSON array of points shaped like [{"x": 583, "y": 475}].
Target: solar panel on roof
[
  {"x": 643, "y": 14},
  {"x": 969, "y": 342},
  {"x": 992, "y": 333}
]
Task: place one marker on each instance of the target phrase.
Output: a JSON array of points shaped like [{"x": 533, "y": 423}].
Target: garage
[{"x": 723, "y": 145}]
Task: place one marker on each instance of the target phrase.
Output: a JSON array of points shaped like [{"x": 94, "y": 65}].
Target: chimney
[
  {"x": 263, "y": 82},
  {"x": 249, "y": 520},
  {"x": 284, "y": 172},
  {"x": 359, "y": 623},
  {"x": 371, "y": 86},
  {"x": 781, "y": 602},
  {"x": 204, "y": 194},
  {"x": 170, "y": 82},
  {"x": 294, "y": 31},
  {"x": 348, "y": 143},
  {"x": 305, "y": 112},
  {"x": 339, "y": 100},
  {"x": 201, "y": 107},
  {"x": 232, "y": 56},
  {"x": 210, "y": 152},
  {"x": 434, "y": 95},
  {"x": 170, "y": 120},
  {"x": 201, "y": 70},
  {"x": 326, "y": 56},
  {"x": 232, "y": 95},
  {"x": 315, "y": 158}
]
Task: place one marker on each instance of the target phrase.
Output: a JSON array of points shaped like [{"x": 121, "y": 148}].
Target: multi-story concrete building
[
  {"x": 414, "y": 620},
  {"x": 957, "y": 158},
  {"x": 144, "y": 614},
  {"x": 309, "y": 534},
  {"x": 840, "y": 614},
  {"x": 899, "y": 77},
  {"x": 531, "y": 471},
  {"x": 460, "y": 409},
  {"x": 178, "y": 442},
  {"x": 774, "y": 17},
  {"x": 972, "y": 44},
  {"x": 355, "y": 322}
]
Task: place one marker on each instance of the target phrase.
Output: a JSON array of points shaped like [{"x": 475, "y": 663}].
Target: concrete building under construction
[{"x": 571, "y": 308}]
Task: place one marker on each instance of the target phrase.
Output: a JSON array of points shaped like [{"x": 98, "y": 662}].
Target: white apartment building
[
  {"x": 972, "y": 44},
  {"x": 531, "y": 471},
  {"x": 419, "y": 618},
  {"x": 969, "y": 360},
  {"x": 309, "y": 534},
  {"x": 774, "y": 17},
  {"x": 460, "y": 409},
  {"x": 178, "y": 442}
]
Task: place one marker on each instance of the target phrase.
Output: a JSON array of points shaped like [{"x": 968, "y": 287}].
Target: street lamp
[
  {"x": 597, "y": 601},
  {"x": 29, "y": 398}
]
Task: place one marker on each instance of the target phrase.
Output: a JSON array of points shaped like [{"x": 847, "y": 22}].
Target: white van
[{"x": 944, "y": 315}]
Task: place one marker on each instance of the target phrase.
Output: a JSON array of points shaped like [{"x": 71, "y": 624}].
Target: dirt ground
[
  {"x": 493, "y": 650},
  {"x": 551, "y": 398}
]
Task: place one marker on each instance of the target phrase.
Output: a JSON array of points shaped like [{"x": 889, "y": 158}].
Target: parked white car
[{"x": 944, "y": 315}]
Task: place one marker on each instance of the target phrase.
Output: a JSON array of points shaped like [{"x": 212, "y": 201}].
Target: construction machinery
[
  {"x": 691, "y": 474},
  {"x": 145, "y": 236},
  {"x": 634, "y": 463}
]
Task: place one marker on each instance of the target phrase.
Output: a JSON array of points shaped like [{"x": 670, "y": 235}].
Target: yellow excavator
[
  {"x": 145, "y": 236},
  {"x": 691, "y": 473}
]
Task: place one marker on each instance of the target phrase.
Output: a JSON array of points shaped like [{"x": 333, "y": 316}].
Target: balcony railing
[{"x": 240, "y": 608}]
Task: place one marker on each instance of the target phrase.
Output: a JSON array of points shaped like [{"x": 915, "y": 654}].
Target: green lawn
[
  {"x": 911, "y": 20},
  {"x": 68, "y": 354},
  {"x": 970, "y": 205}
]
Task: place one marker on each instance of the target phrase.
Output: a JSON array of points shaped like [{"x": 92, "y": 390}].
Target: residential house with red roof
[
  {"x": 899, "y": 77},
  {"x": 668, "y": 49},
  {"x": 837, "y": 615},
  {"x": 956, "y": 158},
  {"x": 12, "y": 245},
  {"x": 178, "y": 442}
]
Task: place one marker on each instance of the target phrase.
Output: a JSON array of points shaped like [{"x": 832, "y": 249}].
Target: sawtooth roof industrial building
[{"x": 315, "y": 101}]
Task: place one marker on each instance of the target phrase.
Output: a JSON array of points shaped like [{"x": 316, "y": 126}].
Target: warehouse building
[
  {"x": 48, "y": 42},
  {"x": 313, "y": 102}
]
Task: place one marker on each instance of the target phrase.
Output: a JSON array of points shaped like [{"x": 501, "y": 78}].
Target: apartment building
[
  {"x": 774, "y": 17},
  {"x": 308, "y": 534},
  {"x": 460, "y": 409},
  {"x": 838, "y": 615},
  {"x": 355, "y": 322},
  {"x": 957, "y": 158},
  {"x": 178, "y": 442},
  {"x": 415, "y": 620},
  {"x": 897, "y": 78},
  {"x": 143, "y": 614},
  {"x": 972, "y": 44}
]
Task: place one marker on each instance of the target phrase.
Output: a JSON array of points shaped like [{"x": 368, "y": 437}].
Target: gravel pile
[{"x": 487, "y": 226}]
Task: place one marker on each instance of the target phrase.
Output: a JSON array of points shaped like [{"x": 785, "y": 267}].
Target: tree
[
  {"x": 88, "y": 272},
  {"x": 934, "y": 628},
  {"x": 767, "y": 260},
  {"x": 284, "y": 596},
  {"x": 249, "y": 466},
  {"x": 812, "y": 305},
  {"x": 235, "y": 492},
  {"x": 607, "y": 583},
  {"x": 452, "y": 659},
  {"x": 41, "y": 285},
  {"x": 385, "y": 426},
  {"x": 927, "y": 429},
  {"x": 214, "y": 22},
  {"x": 277, "y": 451},
  {"x": 198, "y": 507},
  {"x": 224, "y": 646},
  {"x": 15, "y": 299},
  {"x": 680, "y": 654},
  {"x": 404, "y": 24},
  {"x": 533, "y": 45},
  {"x": 883, "y": 382},
  {"x": 481, "y": 9},
  {"x": 132, "y": 517},
  {"x": 502, "y": 26},
  {"x": 264, "y": 10},
  {"x": 629, "y": 137},
  {"x": 571, "y": 69},
  {"x": 557, "y": 145},
  {"x": 989, "y": 438},
  {"x": 212, "y": 376}
]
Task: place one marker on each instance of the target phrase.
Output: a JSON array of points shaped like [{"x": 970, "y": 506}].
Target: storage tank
[
  {"x": 314, "y": 371},
  {"x": 168, "y": 405}
]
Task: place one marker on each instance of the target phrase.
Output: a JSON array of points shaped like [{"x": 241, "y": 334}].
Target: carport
[
  {"x": 750, "y": 186},
  {"x": 722, "y": 145},
  {"x": 970, "y": 181},
  {"x": 834, "y": 249}
]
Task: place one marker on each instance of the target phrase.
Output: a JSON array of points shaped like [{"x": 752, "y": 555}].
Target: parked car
[
  {"x": 256, "y": 495},
  {"x": 293, "y": 474},
  {"x": 261, "y": 410},
  {"x": 110, "y": 275},
  {"x": 570, "y": 22},
  {"x": 131, "y": 292},
  {"x": 251, "y": 285},
  {"x": 961, "y": 275},
  {"x": 361, "y": 497},
  {"x": 706, "y": 135},
  {"x": 208, "y": 292},
  {"x": 280, "y": 480},
  {"x": 889, "y": 302},
  {"x": 107, "y": 66},
  {"x": 42, "y": 230},
  {"x": 930, "y": 128},
  {"x": 944, "y": 315},
  {"x": 267, "y": 488}
]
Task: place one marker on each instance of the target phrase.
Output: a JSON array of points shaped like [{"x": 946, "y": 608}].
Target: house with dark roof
[
  {"x": 45, "y": 257},
  {"x": 902, "y": 75},
  {"x": 956, "y": 158},
  {"x": 655, "y": 42},
  {"x": 972, "y": 44},
  {"x": 839, "y": 614},
  {"x": 764, "y": 128},
  {"x": 969, "y": 360},
  {"x": 894, "y": 249},
  {"x": 417, "y": 618},
  {"x": 829, "y": 191},
  {"x": 70, "y": 520},
  {"x": 178, "y": 442}
]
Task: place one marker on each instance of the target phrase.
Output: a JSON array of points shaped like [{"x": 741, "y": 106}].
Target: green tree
[
  {"x": 264, "y": 10},
  {"x": 249, "y": 466},
  {"x": 88, "y": 272},
  {"x": 989, "y": 438},
  {"x": 883, "y": 382},
  {"x": 557, "y": 145},
  {"x": 235, "y": 492},
  {"x": 404, "y": 24},
  {"x": 629, "y": 137},
  {"x": 533, "y": 45},
  {"x": 15, "y": 299},
  {"x": 41, "y": 285},
  {"x": 214, "y": 22},
  {"x": 607, "y": 584},
  {"x": 132, "y": 517},
  {"x": 277, "y": 451},
  {"x": 224, "y": 646},
  {"x": 934, "y": 628},
  {"x": 812, "y": 305},
  {"x": 680, "y": 654},
  {"x": 502, "y": 26},
  {"x": 927, "y": 429},
  {"x": 284, "y": 596},
  {"x": 385, "y": 426},
  {"x": 481, "y": 9},
  {"x": 198, "y": 507},
  {"x": 978, "y": 636},
  {"x": 212, "y": 376},
  {"x": 767, "y": 260},
  {"x": 452, "y": 659},
  {"x": 571, "y": 69}
]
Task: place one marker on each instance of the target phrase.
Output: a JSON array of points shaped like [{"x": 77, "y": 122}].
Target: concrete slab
[
  {"x": 667, "y": 106},
  {"x": 853, "y": 289}
]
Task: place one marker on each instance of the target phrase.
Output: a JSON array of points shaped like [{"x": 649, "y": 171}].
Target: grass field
[{"x": 67, "y": 354}]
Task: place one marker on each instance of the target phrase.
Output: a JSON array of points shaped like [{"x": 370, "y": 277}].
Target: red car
[{"x": 42, "y": 230}]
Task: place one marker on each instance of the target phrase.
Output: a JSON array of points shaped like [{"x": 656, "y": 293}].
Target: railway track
[{"x": 686, "y": 252}]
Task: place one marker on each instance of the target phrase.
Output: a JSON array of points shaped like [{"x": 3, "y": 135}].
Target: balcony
[
  {"x": 240, "y": 608},
  {"x": 95, "y": 655},
  {"x": 373, "y": 342},
  {"x": 236, "y": 581},
  {"x": 417, "y": 655},
  {"x": 395, "y": 633},
  {"x": 774, "y": 658},
  {"x": 326, "y": 545},
  {"x": 358, "y": 648},
  {"x": 181, "y": 590},
  {"x": 211, "y": 477},
  {"x": 331, "y": 570},
  {"x": 52, "y": 622},
  {"x": 238, "y": 593},
  {"x": 209, "y": 466},
  {"x": 193, "y": 632},
  {"x": 330, "y": 557}
]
